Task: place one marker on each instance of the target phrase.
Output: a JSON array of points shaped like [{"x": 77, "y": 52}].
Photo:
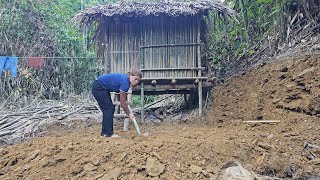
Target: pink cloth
[{"x": 35, "y": 62}]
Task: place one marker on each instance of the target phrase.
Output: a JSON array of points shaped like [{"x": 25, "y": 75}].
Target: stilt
[
  {"x": 200, "y": 97},
  {"x": 199, "y": 66},
  {"x": 142, "y": 102}
]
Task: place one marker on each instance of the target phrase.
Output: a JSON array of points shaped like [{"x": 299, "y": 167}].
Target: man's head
[{"x": 134, "y": 77}]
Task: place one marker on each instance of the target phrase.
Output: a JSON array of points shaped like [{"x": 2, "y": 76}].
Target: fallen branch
[
  {"x": 33, "y": 118},
  {"x": 308, "y": 145},
  {"x": 10, "y": 123},
  {"x": 3, "y": 117},
  {"x": 262, "y": 121},
  {"x": 15, "y": 126},
  {"x": 153, "y": 103},
  {"x": 5, "y": 133},
  {"x": 70, "y": 113},
  {"x": 3, "y": 121},
  {"x": 23, "y": 126},
  {"x": 36, "y": 127}
]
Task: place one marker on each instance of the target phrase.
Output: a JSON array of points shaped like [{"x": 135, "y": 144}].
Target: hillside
[{"x": 286, "y": 90}]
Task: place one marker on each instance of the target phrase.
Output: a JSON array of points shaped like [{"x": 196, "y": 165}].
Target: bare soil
[{"x": 194, "y": 148}]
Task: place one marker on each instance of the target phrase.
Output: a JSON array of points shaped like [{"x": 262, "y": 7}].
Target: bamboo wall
[
  {"x": 122, "y": 47},
  {"x": 168, "y": 46}
]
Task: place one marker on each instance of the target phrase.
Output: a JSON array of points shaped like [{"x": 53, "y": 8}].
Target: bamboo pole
[
  {"x": 179, "y": 50},
  {"x": 262, "y": 121},
  {"x": 169, "y": 78},
  {"x": 189, "y": 55},
  {"x": 14, "y": 126},
  {"x": 106, "y": 60},
  {"x": 115, "y": 38},
  {"x": 174, "y": 69},
  {"x": 111, "y": 39},
  {"x": 192, "y": 41},
  {"x": 199, "y": 66},
  {"x": 189, "y": 63},
  {"x": 142, "y": 66},
  {"x": 4, "y": 133},
  {"x": 163, "y": 41},
  {"x": 171, "y": 45},
  {"x": 70, "y": 113},
  {"x": 150, "y": 61}
]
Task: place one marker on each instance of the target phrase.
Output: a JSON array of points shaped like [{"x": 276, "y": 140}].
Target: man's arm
[{"x": 123, "y": 102}]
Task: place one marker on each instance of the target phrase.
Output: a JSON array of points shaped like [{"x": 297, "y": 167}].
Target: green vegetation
[
  {"x": 43, "y": 28},
  {"x": 147, "y": 99},
  {"x": 263, "y": 24},
  {"x": 30, "y": 28}
]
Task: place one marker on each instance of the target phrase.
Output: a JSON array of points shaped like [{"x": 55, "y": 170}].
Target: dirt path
[{"x": 196, "y": 149}]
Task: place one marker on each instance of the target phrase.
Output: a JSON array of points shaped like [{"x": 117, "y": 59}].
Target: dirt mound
[
  {"x": 289, "y": 90},
  {"x": 191, "y": 148}
]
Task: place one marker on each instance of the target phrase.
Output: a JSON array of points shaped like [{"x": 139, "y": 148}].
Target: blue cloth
[
  {"x": 153, "y": 116},
  {"x": 8, "y": 63},
  {"x": 3, "y": 60},
  {"x": 115, "y": 82}
]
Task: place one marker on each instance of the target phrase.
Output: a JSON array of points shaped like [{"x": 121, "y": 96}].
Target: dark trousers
[{"x": 104, "y": 100}]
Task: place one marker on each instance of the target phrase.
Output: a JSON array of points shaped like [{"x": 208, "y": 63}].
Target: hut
[{"x": 162, "y": 39}]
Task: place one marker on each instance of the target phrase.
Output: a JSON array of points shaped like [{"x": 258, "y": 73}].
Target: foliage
[
  {"x": 147, "y": 99},
  {"x": 42, "y": 28},
  {"x": 262, "y": 23}
]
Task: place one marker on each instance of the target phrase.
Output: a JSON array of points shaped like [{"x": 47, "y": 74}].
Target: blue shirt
[{"x": 115, "y": 82}]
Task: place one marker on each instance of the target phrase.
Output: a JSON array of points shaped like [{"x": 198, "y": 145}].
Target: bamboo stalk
[
  {"x": 3, "y": 117},
  {"x": 171, "y": 45},
  {"x": 10, "y": 123},
  {"x": 23, "y": 126},
  {"x": 199, "y": 66},
  {"x": 3, "y": 121},
  {"x": 174, "y": 69},
  {"x": 189, "y": 64},
  {"x": 70, "y": 113},
  {"x": 170, "y": 78},
  {"x": 262, "y": 121},
  {"x": 14, "y": 126},
  {"x": 4, "y": 133}
]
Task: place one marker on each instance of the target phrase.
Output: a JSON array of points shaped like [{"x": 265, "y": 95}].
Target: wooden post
[
  {"x": 185, "y": 98},
  {"x": 199, "y": 66},
  {"x": 200, "y": 97},
  {"x": 142, "y": 89},
  {"x": 142, "y": 57},
  {"x": 142, "y": 102}
]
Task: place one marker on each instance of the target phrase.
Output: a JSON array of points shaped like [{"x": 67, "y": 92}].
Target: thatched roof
[{"x": 135, "y": 9}]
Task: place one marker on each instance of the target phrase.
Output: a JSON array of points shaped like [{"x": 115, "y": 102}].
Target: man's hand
[{"x": 131, "y": 116}]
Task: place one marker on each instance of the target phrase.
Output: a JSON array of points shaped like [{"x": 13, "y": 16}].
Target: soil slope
[{"x": 196, "y": 148}]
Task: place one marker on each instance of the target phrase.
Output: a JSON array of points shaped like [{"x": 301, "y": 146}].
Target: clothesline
[
  {"x": 61, "y": 57},
  {"x": 11, "y": 62}
]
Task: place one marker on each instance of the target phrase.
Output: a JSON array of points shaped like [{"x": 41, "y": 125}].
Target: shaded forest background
[{"x": 265, "y": 28}]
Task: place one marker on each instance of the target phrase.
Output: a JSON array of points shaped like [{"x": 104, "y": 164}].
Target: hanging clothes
[
  {"x": 9, "y": 63},
  {"x": 3, "y": 60},
  {"x": 35, "y": 61}
]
